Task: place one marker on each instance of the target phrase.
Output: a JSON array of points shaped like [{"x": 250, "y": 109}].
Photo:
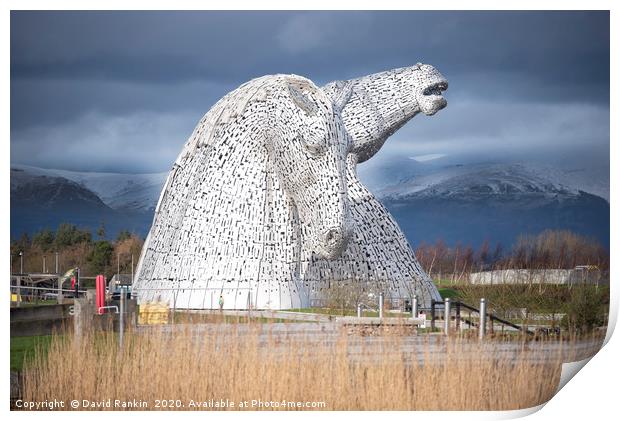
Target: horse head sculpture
[
  {"x": 261, "y": 181},
  {"x": 308, "y": 147},
  {"x": 263, "y": 208}
]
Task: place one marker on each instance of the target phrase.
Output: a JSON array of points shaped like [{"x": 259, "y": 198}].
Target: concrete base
[{"x": 87, "y": 320}]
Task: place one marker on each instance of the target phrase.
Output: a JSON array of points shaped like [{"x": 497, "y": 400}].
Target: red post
[{"x": 100, "y": 298}]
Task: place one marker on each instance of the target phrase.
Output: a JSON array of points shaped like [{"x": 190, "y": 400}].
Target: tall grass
[{"x": 250, "y": 365}]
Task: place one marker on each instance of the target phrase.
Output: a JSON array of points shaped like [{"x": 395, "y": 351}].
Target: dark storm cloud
[
  {"x": 232, "y": 46},
  {"x": 80, "y": 73}
]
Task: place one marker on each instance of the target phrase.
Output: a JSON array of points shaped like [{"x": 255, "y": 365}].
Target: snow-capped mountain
[
  {"x": 472, "y": 181},
  {"x": 43, "y": 198},
  {"x": 49, "y": 192},
  {"x": 126, "y": 192},
  {"x": 495, "y": 202},
  {"x": 407, "y": 175},
  {"x": 430, "y": 198}
]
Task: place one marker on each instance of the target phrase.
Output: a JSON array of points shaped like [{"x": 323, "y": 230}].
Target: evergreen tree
[
  {"x": 44, "y": 239},
  {"x": 101, "y": 231},
  {"x": 100, "y": 257},
  {"x": 123, "y": 235}
]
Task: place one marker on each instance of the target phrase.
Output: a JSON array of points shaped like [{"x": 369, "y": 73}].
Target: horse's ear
[
  {"x": 301, "y": 100},
  {"x": 340, "y": 94}
]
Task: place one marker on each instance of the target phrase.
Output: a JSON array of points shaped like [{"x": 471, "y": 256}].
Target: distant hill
[
  {"x": 123, "y": 192},
  {"x": 42, "y": 201},
  {"x": 495, "y": 202},
  {"x": 458, "y": 203}
]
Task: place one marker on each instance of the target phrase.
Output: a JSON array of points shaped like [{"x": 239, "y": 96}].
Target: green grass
[
  {"x": 442, "y": 282},
  {"x": 585, "y": 306},
  {"x": 23, "y": 348},
  {"x": 36, "y": 303},
  {"x": 537, "y": 298},
  {"x": 450, "y": 293}
]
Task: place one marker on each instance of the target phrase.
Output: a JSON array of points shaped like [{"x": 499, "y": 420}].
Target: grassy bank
[
  {"x": 23, "y": 349},
  {"x": 585, "y": 306}
]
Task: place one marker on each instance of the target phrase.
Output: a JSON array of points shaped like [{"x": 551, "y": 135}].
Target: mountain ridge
[{"x": 458, "y": 203}]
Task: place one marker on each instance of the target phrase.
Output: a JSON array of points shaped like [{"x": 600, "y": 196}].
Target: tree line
[
  {"x": 73, "y": 246},
  {"x": 550, "y": 249}
]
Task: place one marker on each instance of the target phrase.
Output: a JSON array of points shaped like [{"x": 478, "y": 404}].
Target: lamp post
[{"x": 19, "y": 278}]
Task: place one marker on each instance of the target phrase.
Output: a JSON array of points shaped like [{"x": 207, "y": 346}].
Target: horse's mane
[{"x": 234, "y": 104}]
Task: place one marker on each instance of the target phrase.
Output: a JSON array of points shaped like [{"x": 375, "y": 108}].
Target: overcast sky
[{"x": 122, "y": 91}]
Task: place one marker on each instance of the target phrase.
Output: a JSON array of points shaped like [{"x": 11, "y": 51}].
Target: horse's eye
[{"x": 314, "y": 149}]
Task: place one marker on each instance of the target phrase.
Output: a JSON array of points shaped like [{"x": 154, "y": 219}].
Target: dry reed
[{"x": 223, "y": 363}]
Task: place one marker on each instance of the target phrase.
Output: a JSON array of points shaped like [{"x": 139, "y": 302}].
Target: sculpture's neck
[{"x": 390, "y": 104}]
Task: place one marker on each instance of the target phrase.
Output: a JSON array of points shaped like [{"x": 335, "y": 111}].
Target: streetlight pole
[{"x": 19, "y": 278}]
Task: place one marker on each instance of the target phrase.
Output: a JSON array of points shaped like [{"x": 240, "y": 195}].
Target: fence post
[
  {"x": 483, "y": 317},
  {"x": 121, "y": 329},
  {"x": 19, "y": 291},
  {"x": 414, "y": 306},
  {"x": 446, "y": 316},
  {"x": 381, "y": 305},
  {"x": 433, "y": 315},
  {"x": 174, "y": 304},
  {"x": 83, "y": 311},
  {"x": 59, "y": 296}
]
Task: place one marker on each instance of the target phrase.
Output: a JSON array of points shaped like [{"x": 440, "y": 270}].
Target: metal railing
[
  {"x": 176, "y": 291},
  {"x": 483, "y": 315},
  {"x": 35, "y": 294}
]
